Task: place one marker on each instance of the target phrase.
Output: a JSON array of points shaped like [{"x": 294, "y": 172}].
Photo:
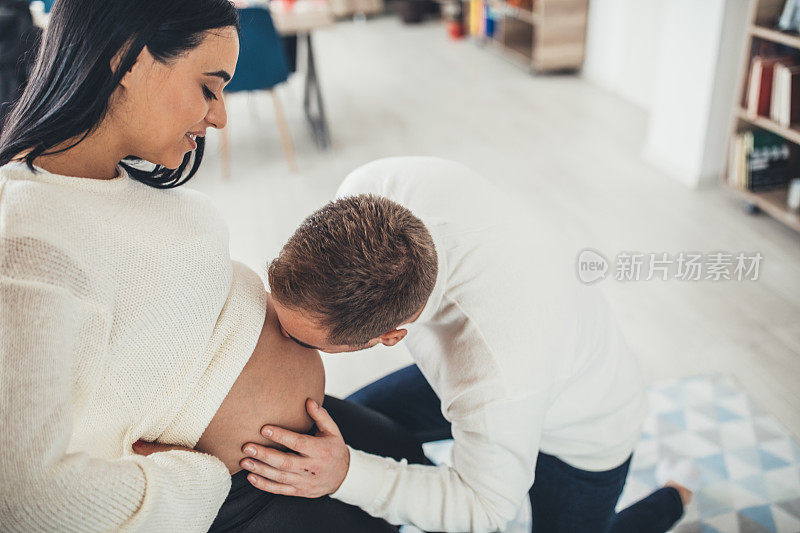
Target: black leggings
[{"x": 248, "y": 509}]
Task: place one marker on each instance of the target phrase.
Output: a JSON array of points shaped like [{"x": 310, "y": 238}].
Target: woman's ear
[{"x": 143, "y": 57}]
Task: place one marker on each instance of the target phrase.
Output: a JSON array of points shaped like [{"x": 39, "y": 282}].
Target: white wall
[
  {"x": 679, "y": 60},
  {"x": 622, "y": 47},
  {"x": 730, "y": 59},
  {"x": 691, "y": 112}
]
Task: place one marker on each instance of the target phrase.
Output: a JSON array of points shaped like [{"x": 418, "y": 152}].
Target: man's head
[{"x": 354, "y": 271}]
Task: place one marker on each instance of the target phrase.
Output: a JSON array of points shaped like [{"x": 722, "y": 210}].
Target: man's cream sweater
[
  {"x": 123, "y": 318},
  {"x": 523, "y": 357}
]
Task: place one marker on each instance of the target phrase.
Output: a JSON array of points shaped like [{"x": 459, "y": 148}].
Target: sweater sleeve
[
  {"x": 494, "y": 457},
  {"x": 45, "y": 488}
]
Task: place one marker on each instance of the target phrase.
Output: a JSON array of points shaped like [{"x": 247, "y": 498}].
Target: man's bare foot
[
  {"x": 685, "y": 493},
  {"x": 682, "y": 475}
]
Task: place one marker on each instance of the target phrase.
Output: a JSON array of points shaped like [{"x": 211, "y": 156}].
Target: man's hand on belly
[{"x": 318, "y": 467}]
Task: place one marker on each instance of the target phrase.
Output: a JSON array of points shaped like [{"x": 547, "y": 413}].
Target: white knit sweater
[{"x": 123, "y": 318}]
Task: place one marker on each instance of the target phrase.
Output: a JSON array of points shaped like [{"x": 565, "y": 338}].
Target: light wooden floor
[{"x": 569, "y": 148}]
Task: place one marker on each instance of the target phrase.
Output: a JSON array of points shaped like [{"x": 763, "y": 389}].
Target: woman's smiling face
[{"x": 161, "y": 107}]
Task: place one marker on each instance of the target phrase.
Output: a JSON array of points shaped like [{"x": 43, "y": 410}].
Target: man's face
[{"x": 305, "y": 331}]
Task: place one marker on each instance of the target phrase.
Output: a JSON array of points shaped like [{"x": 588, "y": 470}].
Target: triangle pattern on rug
[{"x": 750, "y": 465}]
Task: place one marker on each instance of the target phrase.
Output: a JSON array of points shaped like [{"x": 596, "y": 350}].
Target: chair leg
[{"x": 283, "y": 129}]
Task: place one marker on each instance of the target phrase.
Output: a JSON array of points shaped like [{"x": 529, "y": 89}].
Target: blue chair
[
  {"x": 48, "y": 5},
  {"x": 261, "y": 66}
]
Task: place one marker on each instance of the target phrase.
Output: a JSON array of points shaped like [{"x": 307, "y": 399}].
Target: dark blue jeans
[{"x": 563, "y": 498}]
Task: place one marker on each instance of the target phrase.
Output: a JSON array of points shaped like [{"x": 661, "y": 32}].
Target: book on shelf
[
  {"x": 759, "y": 161},
  {"x": 527, "y": 5},
  {"x": 785, "y": 101},
  {"x": 790, "y": 16},
  {"x": 477, "y": 18},
  {"x": 490, "y": 14},
  {"x": 480, "y": 18},
  {"x": 759, "y": 89}
]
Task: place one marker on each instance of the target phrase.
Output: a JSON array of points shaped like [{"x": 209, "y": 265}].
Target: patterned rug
[{"x": 749, "y": 463}]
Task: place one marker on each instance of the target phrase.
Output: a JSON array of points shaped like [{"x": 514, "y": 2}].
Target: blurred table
[{"x": 301, "y": 18}]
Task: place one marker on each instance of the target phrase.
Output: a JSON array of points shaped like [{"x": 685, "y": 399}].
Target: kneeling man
[{"x": 516, "y": 359}]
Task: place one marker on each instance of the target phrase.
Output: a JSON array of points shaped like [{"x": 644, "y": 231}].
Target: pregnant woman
[{"x": 122, "y": 317}]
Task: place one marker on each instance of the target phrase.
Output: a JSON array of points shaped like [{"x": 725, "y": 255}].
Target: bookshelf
[
  {"x": 790, "y": 133},
  {"x": 773, "y": 203},
  {"x": 762, "y": 29},
  {"x": 549, "y": 36},
  {"x": 775, "y": 36}
]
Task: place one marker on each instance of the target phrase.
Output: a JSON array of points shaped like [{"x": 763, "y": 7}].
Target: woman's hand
[
  {"x": 141, "y": 447},
  {"x": 318, "y": 468}
]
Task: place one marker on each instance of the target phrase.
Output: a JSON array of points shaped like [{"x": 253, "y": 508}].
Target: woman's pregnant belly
[{"x": 272, "y": 389}]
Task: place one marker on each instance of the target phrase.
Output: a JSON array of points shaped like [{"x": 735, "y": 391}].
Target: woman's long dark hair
[{"x": 72, "y": 82}]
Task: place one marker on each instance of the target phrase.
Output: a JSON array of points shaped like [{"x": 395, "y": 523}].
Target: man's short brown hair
[{"x": 361, "y": 265}]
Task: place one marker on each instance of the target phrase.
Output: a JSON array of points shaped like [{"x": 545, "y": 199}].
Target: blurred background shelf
[
  {"x": 789, "y": 39},
  {"x": 771, "y": 202},
  {"x": 520, "y": 57},
  {"x": 790, "y": 133},
  {"x": 546, "y": 36},
  {"x": 764, "y": 40},
  {"x": 519, "y": 13}
]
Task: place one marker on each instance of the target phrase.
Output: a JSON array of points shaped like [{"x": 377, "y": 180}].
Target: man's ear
[{"x": 392, "y": 337}]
